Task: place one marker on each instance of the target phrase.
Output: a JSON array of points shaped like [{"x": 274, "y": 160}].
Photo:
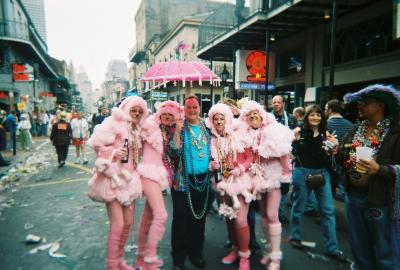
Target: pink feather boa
[
  {"x": 151, "y": 133},
  {"x": 155, "y": 173}
]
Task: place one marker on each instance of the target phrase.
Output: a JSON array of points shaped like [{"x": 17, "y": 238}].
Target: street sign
[
  {"x": 159, "y": 95},
  {"x": 255, "y": 86}
]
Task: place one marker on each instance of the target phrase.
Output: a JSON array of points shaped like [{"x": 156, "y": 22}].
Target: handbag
[{"x": 313, "y": 181}]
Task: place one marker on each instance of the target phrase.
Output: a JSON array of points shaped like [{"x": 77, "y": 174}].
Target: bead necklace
[
  {"x": 197, "y": 185},
  {"x": 136, "y": 145},
  {"x": 168, "y": 163},
  {"x": 198, "y": 142},
  {"x": 374, "y": 141},
  {"x": 225, "y": 157},
  {"x": 257, "y": 157}
]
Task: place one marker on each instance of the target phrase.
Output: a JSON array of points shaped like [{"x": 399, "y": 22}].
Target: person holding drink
[
  {"x": 370, "y": 153},
  {"x": 116, "y": 181},
  {"x": 313, "y": 144}
]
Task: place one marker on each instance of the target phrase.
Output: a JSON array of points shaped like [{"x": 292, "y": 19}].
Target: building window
[{"x": 369, "y": 38}]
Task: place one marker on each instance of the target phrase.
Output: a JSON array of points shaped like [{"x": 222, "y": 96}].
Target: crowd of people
[
  {"x": 17, "y": 128},
  {"x": 248, "y": 155}
]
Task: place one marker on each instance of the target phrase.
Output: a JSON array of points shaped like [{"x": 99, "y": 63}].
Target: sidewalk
[{"x": 21, "y": 155}]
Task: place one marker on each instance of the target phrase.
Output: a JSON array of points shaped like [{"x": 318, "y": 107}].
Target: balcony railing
[
  {"x": 229, "y": 16},
  {"x": 23, "y": 31}
]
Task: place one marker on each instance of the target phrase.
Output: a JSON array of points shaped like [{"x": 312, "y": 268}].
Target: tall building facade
[
  {"x": 116, "y": 69},
  {"x": 86, "y": 89},
  {"x": 35, "y": 9}
]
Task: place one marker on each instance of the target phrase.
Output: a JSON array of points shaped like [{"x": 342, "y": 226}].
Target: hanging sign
[{"x": 23, "y": 73}]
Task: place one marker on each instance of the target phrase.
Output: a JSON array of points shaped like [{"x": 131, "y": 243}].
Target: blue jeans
[
  {"x": 326, "y": 206},
  {"x": 312, "y": 203},
  {"x": 282, "y": 205},
  {"x": 372, "y": 234}
]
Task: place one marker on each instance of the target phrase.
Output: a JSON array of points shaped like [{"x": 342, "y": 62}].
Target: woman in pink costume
[
  {"x": 233, "y": 160},
  {"x": 155, "y": 169},
  {"x": 116, "y": 183},
  {"x": 271, "y": 146}
]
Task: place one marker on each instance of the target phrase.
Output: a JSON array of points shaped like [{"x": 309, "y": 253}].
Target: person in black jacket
[
  {"x": 61, "y": 134},
  {"x": 311, "y": 157},
  {"x": 372, "y": 198}
]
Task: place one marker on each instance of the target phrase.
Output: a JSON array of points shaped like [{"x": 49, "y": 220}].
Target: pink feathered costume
[
  {"x": 237, "y": 185},
  {"x": 271, "y": 145},
  {"x": 155, "y": 179},
  {"x": 115, "y": 183}
]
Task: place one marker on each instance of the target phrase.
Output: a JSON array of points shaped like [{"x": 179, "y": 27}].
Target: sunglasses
[{"x": 133, "y": 110}]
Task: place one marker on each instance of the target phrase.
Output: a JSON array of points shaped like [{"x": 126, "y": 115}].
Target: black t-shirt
[{"x": 309, "y": 150}]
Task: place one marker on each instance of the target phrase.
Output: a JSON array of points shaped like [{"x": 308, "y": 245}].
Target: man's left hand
[{"x": 370, "y": 166}]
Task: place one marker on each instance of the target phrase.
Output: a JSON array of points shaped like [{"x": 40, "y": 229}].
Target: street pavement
[{"x": 52, "y": 204}]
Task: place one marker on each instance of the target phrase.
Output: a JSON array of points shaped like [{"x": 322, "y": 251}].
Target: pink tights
[
  {"x": 152, "y": 223},
  {"x": 239, "y": 229},
  {"x": 269, "y": 207},
  {"x": 121, "y": 218}
]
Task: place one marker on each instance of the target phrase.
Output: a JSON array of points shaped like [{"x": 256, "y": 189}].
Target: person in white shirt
[
  {"x": 80, "y": 134},
  {"x": 44, "y": 123},
  {"x": 24, "y": 134}
]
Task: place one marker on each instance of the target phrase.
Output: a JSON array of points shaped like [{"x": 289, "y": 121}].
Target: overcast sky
[{"x": 91, "y": 32}]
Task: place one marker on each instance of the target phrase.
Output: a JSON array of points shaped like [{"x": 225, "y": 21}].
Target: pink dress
[{"x": 106, "y": 139}]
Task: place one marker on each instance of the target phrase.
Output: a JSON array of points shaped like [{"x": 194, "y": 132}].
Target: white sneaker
[{"x": 78, "y": 161}]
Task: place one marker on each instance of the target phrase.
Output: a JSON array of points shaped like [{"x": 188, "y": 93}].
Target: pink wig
[
  {"x": 251, "y": 105},
  {"x": 226, "y": 112},
  {"x": 122, "y": 111},
  {"x": 171, "y": 107}
]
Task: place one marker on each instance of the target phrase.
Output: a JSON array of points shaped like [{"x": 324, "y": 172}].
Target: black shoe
[
  {"x": 283, "y": 219},
  {"x": 254, "y": 245},
  {"x": 338, "y": 256},
  {"x": 62, "y": 163},
  {"x": 197, "y": 261},
  {"x": 228, "y": 244},
  {"x": 180, "y": 266},
  {"x": 296, "y": 243},
  {"x": 4, "y": 163}
]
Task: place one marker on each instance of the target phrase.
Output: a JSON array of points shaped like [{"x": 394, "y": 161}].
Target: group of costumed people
[
  {"x": 175, "y": 148},
  {"x": 138, "y": 155}
]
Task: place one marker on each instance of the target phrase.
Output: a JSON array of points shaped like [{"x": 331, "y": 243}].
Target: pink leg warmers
[
  {"x": 121, "y": 219},
  {"x": 269, "y": 207}
]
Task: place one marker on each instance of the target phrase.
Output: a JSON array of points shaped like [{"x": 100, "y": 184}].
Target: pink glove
[
  {"x": 235, "y": 172},
  {"x": 215, "y": 165}
]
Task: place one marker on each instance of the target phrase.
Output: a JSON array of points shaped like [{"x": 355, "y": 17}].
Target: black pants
[
  {"x": 62, "y": 152},
  {"x": 187, "y": 232}
]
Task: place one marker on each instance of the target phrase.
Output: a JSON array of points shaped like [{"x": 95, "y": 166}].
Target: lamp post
[{"x": 224, "y": 76}]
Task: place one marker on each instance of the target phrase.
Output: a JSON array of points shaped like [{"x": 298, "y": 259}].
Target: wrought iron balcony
[
  {"x": 135, "y": 55},
  {"x": 229, "y": 16},
  {"x": 14, "y": 30}
]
